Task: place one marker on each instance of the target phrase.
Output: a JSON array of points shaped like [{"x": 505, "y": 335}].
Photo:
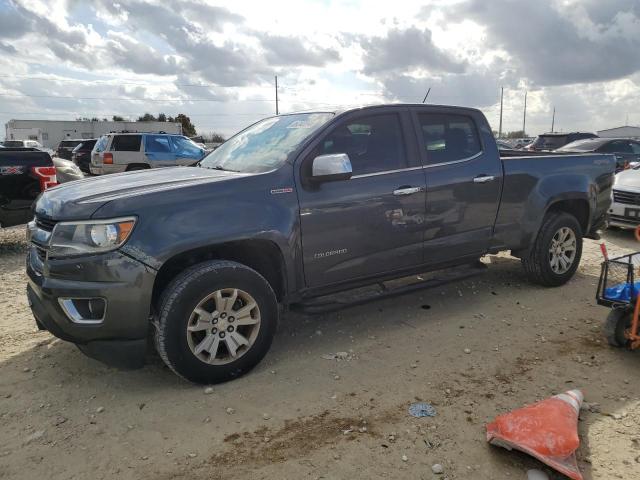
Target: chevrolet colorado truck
[{"x": 205, "y": 259}]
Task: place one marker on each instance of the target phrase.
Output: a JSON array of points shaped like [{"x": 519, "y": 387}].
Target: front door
[{"x": 373, "y": 222}]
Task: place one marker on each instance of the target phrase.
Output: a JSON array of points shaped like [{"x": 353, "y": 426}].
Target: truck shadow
[{"x": 49, "y": 371}]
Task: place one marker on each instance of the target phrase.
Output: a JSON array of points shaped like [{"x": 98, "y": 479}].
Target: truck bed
[{"x": 533, "y": 182}]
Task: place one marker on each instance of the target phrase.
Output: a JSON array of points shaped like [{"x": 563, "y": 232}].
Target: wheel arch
[
  {"x": 263, "y": 256},
  {"x": 577, "y": 207}
]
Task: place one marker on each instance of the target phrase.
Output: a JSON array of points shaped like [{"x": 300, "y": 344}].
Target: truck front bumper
[
  {"x": 58, "y": 292},
  {"x": 623, "y": 215}
]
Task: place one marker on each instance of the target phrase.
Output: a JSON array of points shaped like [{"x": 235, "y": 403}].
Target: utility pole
[
  {"x": 501, "y": 98},
  {"x": 553, "y": 119},
  {"x": 277, "y": 112},
  {"x": 425, "y": 97},
  {"x": 524, "y": 116}
]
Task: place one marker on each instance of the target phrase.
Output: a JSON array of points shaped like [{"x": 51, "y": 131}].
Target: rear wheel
[
  {"x": 216, "y": 322},
  {"x": 556, "y": 253},
  {"x": 617, "y": 322},
  {"x": 133, "y": 168}
]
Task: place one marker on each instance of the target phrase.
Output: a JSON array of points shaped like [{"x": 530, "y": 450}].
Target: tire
[
  {"x": 194, "y": 288},
  {"x": 618, "y": 321},
  {"x": 538, "y": 262},
  {"x": 133, "y": 168}
]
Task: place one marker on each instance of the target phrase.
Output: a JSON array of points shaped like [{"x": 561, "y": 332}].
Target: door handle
[
  {"x": 484, "y": 179},
  {"x": 408, "y": 190}
]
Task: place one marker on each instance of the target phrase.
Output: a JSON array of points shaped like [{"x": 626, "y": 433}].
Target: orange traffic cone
[{"x": 547, "y": 430}]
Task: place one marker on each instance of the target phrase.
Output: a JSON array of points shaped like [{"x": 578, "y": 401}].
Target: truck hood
[
  {"x": 80, "y": 199},
  {"x": 628, "y": 179}
]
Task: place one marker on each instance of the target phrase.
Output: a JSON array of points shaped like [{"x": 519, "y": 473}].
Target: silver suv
[{"x": 124, "y": 152}]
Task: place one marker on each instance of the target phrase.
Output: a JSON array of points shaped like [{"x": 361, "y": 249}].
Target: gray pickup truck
[{"x": 204, "y": 259}]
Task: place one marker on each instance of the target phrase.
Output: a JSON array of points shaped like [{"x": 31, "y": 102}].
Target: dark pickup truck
[
  {"x": 293, "y": 208},
  {"x": 24, "y": 173}
]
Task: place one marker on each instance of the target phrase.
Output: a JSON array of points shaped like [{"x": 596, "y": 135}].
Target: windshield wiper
[{"x": 220, "y": 167}]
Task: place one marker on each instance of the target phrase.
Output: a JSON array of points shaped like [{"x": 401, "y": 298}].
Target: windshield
[
  {"x": 70, "y": 143},
  {"x": 581, "y": 146},
  {"x": 550, "y": 142},
  {"x": 265, "y": 145},
  {"x": 101, "y": 144}
]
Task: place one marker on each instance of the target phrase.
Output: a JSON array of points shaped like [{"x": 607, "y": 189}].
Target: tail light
[
  {"x": 46, "y": 176},
  {"x": 107, "y": 158}
]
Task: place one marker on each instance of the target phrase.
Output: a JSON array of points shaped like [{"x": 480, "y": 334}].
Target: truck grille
[
  {"x": 45, "y": 223},
  {"x": 628, "y": 198}
]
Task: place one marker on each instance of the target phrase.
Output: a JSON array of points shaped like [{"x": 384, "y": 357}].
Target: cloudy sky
[{"x": 216, "y": 61}]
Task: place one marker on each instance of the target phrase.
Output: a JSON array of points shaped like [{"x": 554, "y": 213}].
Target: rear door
[
  {"x": 372, "y": 223},
  {"x": 464, "y": 181},
  {"x": 159, "y": 150}
]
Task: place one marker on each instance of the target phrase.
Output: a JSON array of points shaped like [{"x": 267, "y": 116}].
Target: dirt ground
[{"x": 299, "y": 415}]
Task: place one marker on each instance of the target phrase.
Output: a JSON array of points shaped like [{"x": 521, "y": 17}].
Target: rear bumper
[
  {"x": 106, "y": 169},
  {"x": 125, "y": 284}
]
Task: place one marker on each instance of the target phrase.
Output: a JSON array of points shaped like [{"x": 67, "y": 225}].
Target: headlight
[{"x": 92, "y": 236}]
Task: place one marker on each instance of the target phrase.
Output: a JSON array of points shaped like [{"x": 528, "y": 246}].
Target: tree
[
  {"x": 95, "y": 119},
  {"x": 147, "y": 117},
  {"x": 188, "y": 128},
  {"x": 162, "y": 117},
  {"x": 117, "y": 118},
  {"x": 216, "y": 138}
]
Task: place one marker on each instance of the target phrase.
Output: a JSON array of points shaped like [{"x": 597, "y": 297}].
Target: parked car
[
  {"x": 624, "y": 211},
  {"x": 81, "y": 155},
  {"x": 66, "y": 170},
  {"x": 553, "y": 141},
  {"x": 27, "y": 144},
  {"x": 124, "y": 152},
  {"x": 23, "y": 144},
  {"x": 625, "y": 150},
  {"x": 65, "y": 148},
  {"x": 24, "y": 173},
  {"x": 293, "y": 208},
  {"x": 503, "y": 145}
]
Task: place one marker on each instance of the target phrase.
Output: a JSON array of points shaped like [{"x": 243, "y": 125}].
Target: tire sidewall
[
  {"x": 562, "y": 220},
  {"x": 191, "y": 289}
]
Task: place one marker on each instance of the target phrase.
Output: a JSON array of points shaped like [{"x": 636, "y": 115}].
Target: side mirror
[{"x": 331, "y": 167}]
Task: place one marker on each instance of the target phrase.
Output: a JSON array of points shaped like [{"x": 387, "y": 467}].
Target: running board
[{"x": 390, "y": 288}]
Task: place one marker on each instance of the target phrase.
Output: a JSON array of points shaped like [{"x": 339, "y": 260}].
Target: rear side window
[
  {"x": 449, "y": 137},
  {"x": 374, "y": 143},
  {"x": 635, "y": 147},
  {"x": 157, "y": 144},
  {"x": 550, "y": 142},
  {"x": 186, "y": 148},
  {"x": 126, "y": 143}
]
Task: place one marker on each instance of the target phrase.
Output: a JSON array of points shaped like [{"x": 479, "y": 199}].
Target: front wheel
[
  {"x": 556, "y": 253},
  {"x": 216, "y": 321}
]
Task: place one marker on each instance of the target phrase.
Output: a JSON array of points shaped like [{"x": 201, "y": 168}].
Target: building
[
  {"x": 620, "y": 132},
  {"x": 50, "y": 132}
]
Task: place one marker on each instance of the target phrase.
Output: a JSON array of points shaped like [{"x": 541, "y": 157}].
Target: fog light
[{"x": 84, "y": 310}]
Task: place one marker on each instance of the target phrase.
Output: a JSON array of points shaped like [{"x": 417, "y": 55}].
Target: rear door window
[
  {"x": 126, "y": 143},
  {"x": 157, "y": 144},
  {"x": 186, "y": 148},
  {"x": 449, "y": 137}
]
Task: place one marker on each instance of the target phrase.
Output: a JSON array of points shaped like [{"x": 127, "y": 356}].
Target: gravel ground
[{"x": 302, "y": 415}]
